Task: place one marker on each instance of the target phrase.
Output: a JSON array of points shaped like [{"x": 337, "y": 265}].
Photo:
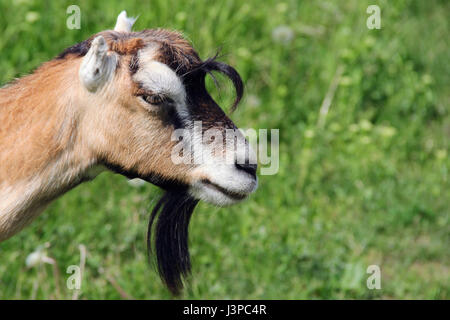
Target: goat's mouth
[
  {"x": 231, "y": 194},
  {"x": 224, "y": 194}
]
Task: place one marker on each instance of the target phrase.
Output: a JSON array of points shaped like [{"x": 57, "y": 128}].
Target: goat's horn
[{"x": 124, "y": 23}]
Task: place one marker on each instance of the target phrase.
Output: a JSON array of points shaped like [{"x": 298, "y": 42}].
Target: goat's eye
[{"x": 156, "y": 99}]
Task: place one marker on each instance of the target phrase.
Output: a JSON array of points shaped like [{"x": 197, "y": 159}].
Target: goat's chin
[
  {"x": 211, "y": 194},
  {"x": 223, "y": 194},
  {"x": 169, "y": 221}
]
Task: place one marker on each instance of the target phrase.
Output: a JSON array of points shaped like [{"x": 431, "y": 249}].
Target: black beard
[
  {"x": 170, "y": 238},
  {"x": 175, "y": 209}
]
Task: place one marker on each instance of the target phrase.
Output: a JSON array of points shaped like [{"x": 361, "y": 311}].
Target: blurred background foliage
[{"x": 365, "y": 184}]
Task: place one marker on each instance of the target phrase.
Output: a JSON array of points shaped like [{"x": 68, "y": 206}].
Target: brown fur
[
  {"x": 126, "y": 46},
  {"x": 31, "y": 120},
  {"x": 51, "y": 126},
  {"x": 53, "y": 131}
]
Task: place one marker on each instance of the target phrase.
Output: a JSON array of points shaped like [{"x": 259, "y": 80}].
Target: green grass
[{"x": 369, "y": 186}]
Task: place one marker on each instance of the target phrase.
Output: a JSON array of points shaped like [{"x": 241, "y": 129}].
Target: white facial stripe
[{"x": 160, "y": 79}]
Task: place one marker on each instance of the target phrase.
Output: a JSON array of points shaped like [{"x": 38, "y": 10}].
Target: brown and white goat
[{"x": 113, "y": 102}]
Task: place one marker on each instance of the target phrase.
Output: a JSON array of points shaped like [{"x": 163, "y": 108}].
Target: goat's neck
[{"x": 41, "y": 151}]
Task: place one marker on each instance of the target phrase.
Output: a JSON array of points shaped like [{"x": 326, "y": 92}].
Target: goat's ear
[
  {"x": 97, "y": 66},
  {"x": 124, "y": 24}
]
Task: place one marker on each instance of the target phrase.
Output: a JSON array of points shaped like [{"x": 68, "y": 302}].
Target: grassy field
[{"x": 366, "y": 184}]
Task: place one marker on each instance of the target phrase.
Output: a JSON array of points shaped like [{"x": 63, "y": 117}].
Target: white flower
[
  {"x": 38, "y": 256},
  {"x": 283, "y": 34},
  {"x": 35, "y": 258},
  {"x": 136, "y": 182},
  {"x": 32, "y": 16}
]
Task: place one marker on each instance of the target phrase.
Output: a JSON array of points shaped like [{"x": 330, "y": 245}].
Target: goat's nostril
[{"x": 249, "y": 168}]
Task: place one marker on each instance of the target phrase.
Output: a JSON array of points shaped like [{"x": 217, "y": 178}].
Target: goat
[{"x": 113, "y": 102}]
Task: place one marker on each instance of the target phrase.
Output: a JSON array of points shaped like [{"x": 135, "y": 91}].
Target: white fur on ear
[
  {"x": 97, "y": 65},
  {"x": 124, "y": 24}
]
